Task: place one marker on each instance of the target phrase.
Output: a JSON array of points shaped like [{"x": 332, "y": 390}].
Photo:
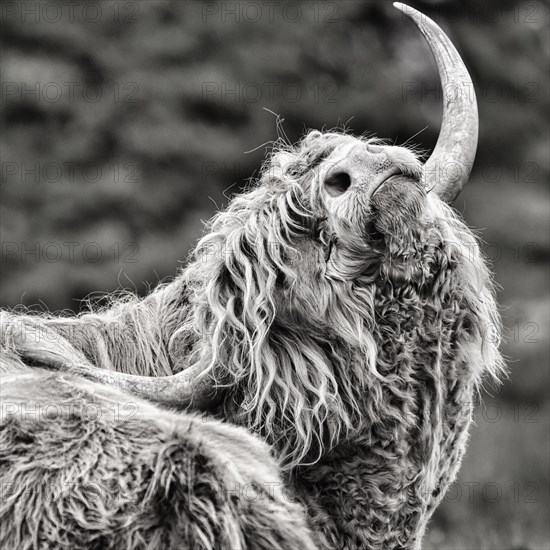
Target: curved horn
[
  {"x": 192, "y": 386},
  {"x": 450, "y": 164}
]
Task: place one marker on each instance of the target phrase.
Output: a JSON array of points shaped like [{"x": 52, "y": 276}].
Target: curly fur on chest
[{"x": 379, "y": 489}]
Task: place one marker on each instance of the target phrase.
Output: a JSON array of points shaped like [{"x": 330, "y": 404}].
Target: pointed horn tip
[
  {"x": 410, "y": 12},
  {"x": 403, "y": 7}
]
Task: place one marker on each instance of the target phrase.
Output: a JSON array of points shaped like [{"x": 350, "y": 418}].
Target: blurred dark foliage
[{"x": 106, "y": 186}]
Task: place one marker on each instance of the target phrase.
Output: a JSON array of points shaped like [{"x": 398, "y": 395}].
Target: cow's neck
[{"x": 379, "y": 490}]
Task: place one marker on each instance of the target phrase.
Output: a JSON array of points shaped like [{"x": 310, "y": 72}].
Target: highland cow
[{"x": 333, "y": 327}]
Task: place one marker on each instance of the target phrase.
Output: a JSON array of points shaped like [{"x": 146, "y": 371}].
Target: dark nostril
[{"x": 337, "y": 183}]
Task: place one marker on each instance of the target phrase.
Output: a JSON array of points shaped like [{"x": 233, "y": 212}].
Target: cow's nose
[
  {"x": 356, "y": 167},
  {"x": 337, "y": 183},
  {"x": 374, "y": 149}
]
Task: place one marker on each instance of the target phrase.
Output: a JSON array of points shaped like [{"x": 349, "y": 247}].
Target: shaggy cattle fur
[
  {"x": 350, "y": 333},
  {"x": 83, "y": 466}
]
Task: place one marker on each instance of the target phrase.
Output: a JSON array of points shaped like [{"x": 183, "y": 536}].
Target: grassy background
[{"x": 125, "y": 124}]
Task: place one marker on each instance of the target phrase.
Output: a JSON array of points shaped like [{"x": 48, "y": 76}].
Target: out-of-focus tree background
[{"x": 127, "y": 123}]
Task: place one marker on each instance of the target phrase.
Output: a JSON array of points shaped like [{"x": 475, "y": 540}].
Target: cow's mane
[{"x": 296, "y": 378}]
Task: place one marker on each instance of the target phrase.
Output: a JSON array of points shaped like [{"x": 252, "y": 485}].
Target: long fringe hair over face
[{"x": 283, "y": 292}]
